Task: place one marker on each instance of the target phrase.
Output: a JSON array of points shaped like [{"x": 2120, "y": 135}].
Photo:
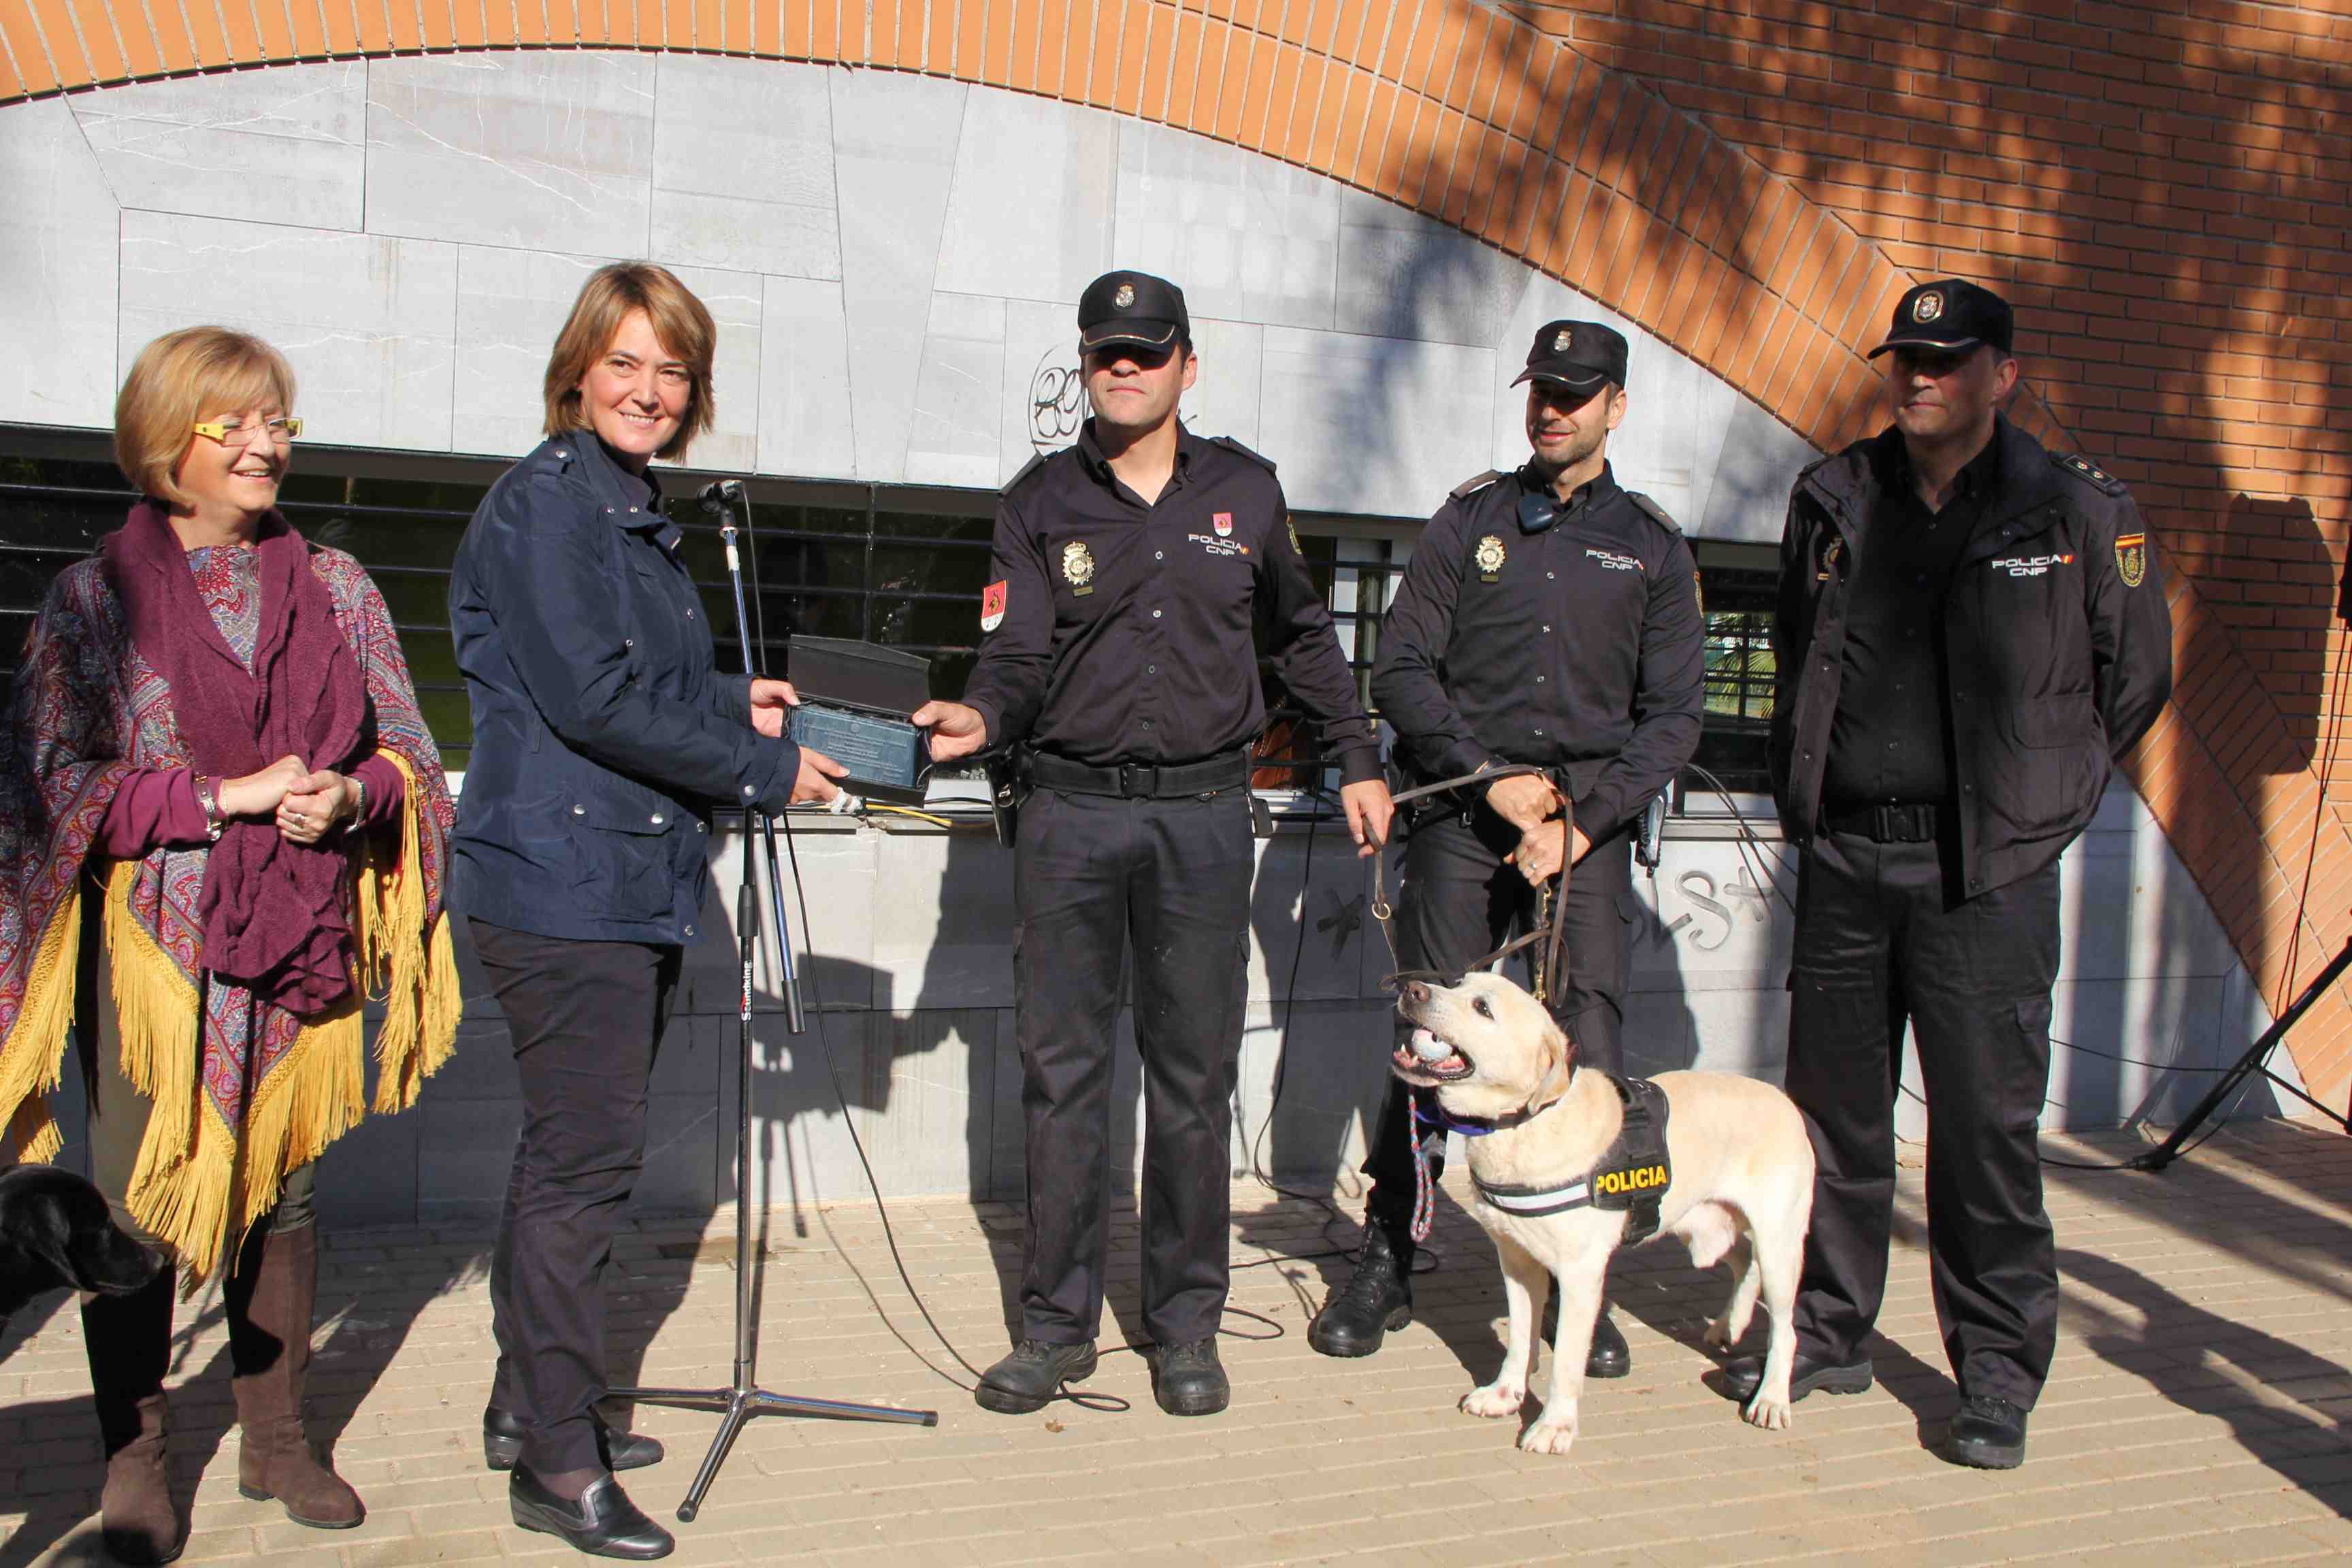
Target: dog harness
[{"x": 1631, "y": 1176}]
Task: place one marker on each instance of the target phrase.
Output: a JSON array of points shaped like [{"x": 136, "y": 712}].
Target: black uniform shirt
[
  {"x": 1887, "y": 741},
  {"x": 1120, "y": 630},
  {"x": 1579, "y": 646}
]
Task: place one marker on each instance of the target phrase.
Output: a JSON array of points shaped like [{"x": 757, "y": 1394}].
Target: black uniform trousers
[
  {"x": 1459, "y": 900},
  {"x": 586, "y": 1019},
  {"x": 1879, "y": 943},
  {"x": 1089, "y": 873}
]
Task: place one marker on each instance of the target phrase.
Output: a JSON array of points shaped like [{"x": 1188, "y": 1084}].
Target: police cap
[
  {"x": 1133, "y": 307},
  {"x": 1579, "y": 355},
  {"x": 1949, "y": 313}
]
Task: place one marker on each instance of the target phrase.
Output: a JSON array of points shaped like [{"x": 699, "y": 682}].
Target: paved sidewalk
[{"x": 2194, "y": 1415}]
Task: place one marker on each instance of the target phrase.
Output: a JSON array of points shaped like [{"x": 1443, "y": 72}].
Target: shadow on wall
[{"x": 2144, "y": 1049}]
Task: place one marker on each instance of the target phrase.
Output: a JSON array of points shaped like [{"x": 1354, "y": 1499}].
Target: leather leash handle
[{"x": 1555, "y": 983}]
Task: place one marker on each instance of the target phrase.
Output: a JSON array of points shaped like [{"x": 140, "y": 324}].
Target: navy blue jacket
[{"x": 604, "y": 733}]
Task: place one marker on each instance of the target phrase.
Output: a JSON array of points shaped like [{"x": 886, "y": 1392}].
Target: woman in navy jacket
[{"x": 603, "y": 736}]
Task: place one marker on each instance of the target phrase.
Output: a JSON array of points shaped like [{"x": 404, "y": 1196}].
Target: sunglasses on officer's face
[
  {"x": 1932, "y": 363},
  {"x": 1136, "y": 355}
]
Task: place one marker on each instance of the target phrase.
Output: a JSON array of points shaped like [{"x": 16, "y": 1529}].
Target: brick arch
[{"x": 1514, "y": 131}]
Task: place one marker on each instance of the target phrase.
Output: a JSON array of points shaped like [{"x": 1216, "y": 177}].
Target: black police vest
[{"x": 1631, "y": 1176}]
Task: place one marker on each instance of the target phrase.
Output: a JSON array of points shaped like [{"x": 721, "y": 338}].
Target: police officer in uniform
[
  {"x": 1550, "y": 617},
  {"x": 1969, "y": 628},
  {"x": 1128, "y": 574}
]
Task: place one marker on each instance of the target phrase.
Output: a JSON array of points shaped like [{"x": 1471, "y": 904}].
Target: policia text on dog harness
[{"x": 1631, "y": 1176}]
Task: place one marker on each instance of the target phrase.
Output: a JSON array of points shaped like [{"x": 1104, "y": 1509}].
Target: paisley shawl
[{"x": 244, "y": 1092}]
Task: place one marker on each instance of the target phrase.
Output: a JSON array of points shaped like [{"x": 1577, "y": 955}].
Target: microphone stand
[
  {"x": 2256, "y": 1060},
  {"x": 743, "y": 1398}
]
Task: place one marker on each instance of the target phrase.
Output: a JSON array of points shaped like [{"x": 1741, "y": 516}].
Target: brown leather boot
[
  {"x": 269, "y": 1298},
  {"x": 128, "y": 1341}
]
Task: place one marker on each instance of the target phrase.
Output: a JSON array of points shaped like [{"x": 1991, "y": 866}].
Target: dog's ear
[
  {"x": 42, "y": 1236},
  {"x": 1558, "y": 1050}
]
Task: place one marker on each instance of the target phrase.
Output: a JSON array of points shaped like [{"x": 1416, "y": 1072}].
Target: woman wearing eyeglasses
[{"x": 213, "y": 735}]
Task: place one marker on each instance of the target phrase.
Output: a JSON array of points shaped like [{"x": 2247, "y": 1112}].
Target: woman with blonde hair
[
  {"x": 603, "y": 736},
  {"x": 214, "y": 734}
]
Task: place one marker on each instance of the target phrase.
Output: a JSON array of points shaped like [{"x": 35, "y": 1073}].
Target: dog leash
[{"x": 1550, "y": 928}]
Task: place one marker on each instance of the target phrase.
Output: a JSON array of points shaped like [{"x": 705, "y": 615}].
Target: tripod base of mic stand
[{"x": 736, "y": 1406}]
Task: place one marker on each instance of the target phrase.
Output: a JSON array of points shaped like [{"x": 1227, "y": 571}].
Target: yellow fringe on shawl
[
  {"x": 416, "y": 968},
  {"x": 31, "y": 1058},
  {"x": 198, "y": 1183}
]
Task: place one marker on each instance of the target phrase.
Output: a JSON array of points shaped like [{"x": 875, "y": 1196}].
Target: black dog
[{"x": 55, "y": 1230}]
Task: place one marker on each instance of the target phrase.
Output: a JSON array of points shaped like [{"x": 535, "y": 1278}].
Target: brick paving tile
[{"x": 2196, "y": 1413}]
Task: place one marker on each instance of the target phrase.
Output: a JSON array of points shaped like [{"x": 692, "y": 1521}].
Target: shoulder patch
[
  {"x": 1657, "y": 513},
  {"x": 1037, "y": 461},
  {"x": 1471, "y": 487},
  {"x": 1231, "y": 445},
  {"x": 2082, "y": 468}
]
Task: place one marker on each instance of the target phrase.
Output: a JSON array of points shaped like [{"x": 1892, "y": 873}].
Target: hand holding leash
[{"x": 1370, "y": 811}]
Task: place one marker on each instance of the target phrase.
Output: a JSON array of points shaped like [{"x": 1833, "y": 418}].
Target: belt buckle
[
  {"x": 1136, "y": 779},
  {"x": 1901, "y": 823}
]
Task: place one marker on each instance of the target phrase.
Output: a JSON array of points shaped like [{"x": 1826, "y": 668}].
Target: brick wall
[
  {"x": 2164, "y": 192},
  {"x": 1755, "y": 181}
]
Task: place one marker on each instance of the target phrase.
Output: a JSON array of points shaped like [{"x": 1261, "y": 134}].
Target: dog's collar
[{"x": 1435, "y": 1115}]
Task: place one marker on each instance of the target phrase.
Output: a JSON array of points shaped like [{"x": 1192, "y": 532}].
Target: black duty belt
[
  {"x": 1138, "y": 781},
  {"x": 1914, "y": 824}
]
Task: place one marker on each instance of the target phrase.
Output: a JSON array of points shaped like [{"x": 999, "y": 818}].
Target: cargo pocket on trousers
[{"x": 2025, "y": 1086}]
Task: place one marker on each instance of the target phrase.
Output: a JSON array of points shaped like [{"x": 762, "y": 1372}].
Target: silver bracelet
[
  {"x": 208, "y": 800},
  {"x": 359, "y": 802}
]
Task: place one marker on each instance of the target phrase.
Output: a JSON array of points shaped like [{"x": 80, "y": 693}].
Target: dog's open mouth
[{"x": 1427, "y": 1060}]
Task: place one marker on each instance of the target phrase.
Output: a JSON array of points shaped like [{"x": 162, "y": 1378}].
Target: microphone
[{"x": 721, "y": 496}]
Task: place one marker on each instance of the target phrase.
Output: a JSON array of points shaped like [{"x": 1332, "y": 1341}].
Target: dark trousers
[
  {"x": 586, "y": 1019},
  {"x": 1459, "y": 902},
  {"x": 1879, "y": 943},
  {"x": 1090, "y": 873}
]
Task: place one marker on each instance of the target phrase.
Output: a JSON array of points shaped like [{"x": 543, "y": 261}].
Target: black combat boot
[{"x": 1377, "y": 1299}]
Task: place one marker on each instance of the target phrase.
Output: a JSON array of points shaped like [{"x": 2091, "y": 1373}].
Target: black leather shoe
[
  {"x": 1031, "y": 1375},
  {"x": 1987, "y": 1433},
  {"x": 1188, "y": 1379},
  {"x": 1744, "y": 1374},
  {"x": 601, "y": 1521},
  {"x": 1610, "y": 1356},
  {"x": 1376, "y": 1300},
  {"x": 502, "y": 1435}
]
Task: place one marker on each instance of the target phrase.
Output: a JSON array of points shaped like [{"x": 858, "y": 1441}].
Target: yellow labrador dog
[{"x": 1742, "y": 1185}]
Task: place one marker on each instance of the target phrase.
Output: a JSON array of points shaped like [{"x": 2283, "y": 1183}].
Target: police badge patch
[
  {"x": 2131, "y": 558},
  {"x": 1078, "y": 567},
  {"x": 1927, "y": 308},
  {"x": 991, "y": 606},
  {"x": 1125, "y": 296},
  {"x": 1489, "y": 558}
]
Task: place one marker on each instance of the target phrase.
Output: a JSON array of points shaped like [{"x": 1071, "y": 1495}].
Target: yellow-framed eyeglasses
[{"x": 238, "y": 431}]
